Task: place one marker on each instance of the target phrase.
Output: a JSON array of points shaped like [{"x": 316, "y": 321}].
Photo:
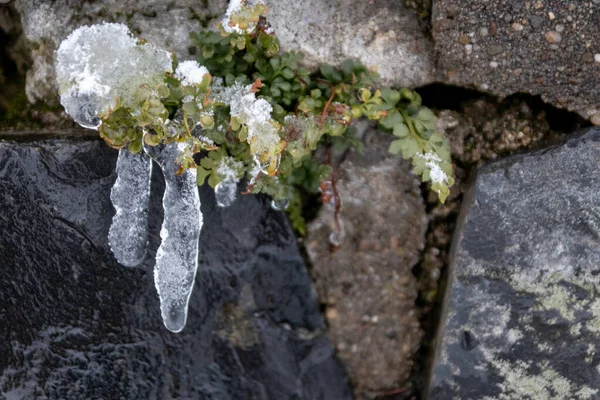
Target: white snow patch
[
  {"x": 230, "y": 169},
  {"x": 436, "y": 174},
  {"x": 190, "y": 73}
]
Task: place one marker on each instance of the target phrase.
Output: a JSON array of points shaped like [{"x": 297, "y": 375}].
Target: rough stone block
[{"x": 523, "y": 304}]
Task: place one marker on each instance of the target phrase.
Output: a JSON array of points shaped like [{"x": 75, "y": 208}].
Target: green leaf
[
  {"x": 287, "y": 73},
  {"x": 410, "y": 147},
  {"x": 275, "y": 63},
  {"x": 390, "y": 96},
  {"x": 392, "y": 119},
  {"x": 425, "y": 114},
  {"x": 364, "y": 94},
  {"x": 207, "y": 163},
  {"x": 331, "y": 74},
  {"x": 201, "y": 175},
  {"x": 437, "y": 138},
  {"x": 213, "y": 180},
  {"x": 401, "y": 130},
  {"x": 396, "y": 147}
]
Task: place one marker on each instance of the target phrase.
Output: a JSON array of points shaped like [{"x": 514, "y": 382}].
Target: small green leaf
[
  {"x": 392, "y": 119},
  {"x": 331, "y": 74},
  {"x": 390, "y": 96},
  {"x": 425, "y": 114},
  {"x": 201, "y": 175},
  {"x": 401, "y": 130},
  {"x": 364, "y": 94},
  {"x": 287, "y": 73},
  {"x": 396, "y": 147},
  {"x": 437, "y": 138},
  {"x": 275, "y": 63},
  {"x": 410, "y": 147},
  {"x": 207, "y": 162}
]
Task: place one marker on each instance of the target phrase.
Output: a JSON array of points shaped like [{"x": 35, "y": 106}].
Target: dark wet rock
[
  {"x": 523, "y": 309},
  {"x": 533, "y": 47},
  {"x": 367, "y": 284},
  {"x": 77, "y": 325}
]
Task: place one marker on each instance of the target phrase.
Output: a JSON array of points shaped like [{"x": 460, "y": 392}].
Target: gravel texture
[
  {"x": 547, "y": 48},
  {"x": 367, "y": 285}
]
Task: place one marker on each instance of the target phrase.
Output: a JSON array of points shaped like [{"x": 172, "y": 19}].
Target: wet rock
[
  {"x": 367, "y": 285},
  {"x": 544, "y": 41},
  {"x": 384, "y": 34},
  {"x": 523, "y": 310},
  {"x": 76, "y": 324}
]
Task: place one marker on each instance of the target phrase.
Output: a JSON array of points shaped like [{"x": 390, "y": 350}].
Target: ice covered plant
[{"x": 242, "y": 109}]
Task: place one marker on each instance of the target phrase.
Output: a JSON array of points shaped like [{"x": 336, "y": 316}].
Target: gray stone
[
  {"x": 385, "y": 34},
  {"x": 522, "y": 308},
  {"x": 77, "y": 325},
  {"x": 367, "y": 284},
  {"x": 548, "y": 61}
]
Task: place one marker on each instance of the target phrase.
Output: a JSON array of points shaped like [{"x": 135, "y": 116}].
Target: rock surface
[
  {"x": 382, "y": 34},
  {"x": 76, "y": 324},
  {"x": 547, "y": 48},
  {"x": 367, "y": 285},
  {"x": 523, "y": 310}
]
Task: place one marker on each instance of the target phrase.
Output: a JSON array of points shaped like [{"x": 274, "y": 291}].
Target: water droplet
[
  {"x": 335, "y": 238},
  {"x": 225, "y": 193},
  {"x": 280, "y": 205}
]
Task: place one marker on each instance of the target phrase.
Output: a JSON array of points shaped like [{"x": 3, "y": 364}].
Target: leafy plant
[{"x": 260, "y": 108}]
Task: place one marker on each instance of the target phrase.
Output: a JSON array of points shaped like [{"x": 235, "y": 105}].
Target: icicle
[
  {"x": 177, "y": 256},
  {"x": 130, "y": 194}
]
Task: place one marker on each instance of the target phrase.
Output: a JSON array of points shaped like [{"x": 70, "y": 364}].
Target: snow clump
[{"x": 98, "y": 65}]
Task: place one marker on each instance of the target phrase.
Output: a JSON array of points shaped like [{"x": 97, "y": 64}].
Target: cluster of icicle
[
  {"x": 91, "y": 76},
  {"x": 177, "y": 256}
]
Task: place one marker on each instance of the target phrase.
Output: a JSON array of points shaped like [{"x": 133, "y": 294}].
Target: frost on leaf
[
  {"x": 242, "y": 15},
  {"x": 130, "y": 195},
  {"x": 230, "y": 172},
  {"x": 98, "y": 65},
  {"x": 263, "y": 132},
  {"x": 432, "y": 168},
  {"x": 190, "y": 73},
  {"x": 177, "y": 256}
]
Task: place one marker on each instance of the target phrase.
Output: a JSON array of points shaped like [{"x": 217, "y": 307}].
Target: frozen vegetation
[{"x": 98, "y": 65}]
